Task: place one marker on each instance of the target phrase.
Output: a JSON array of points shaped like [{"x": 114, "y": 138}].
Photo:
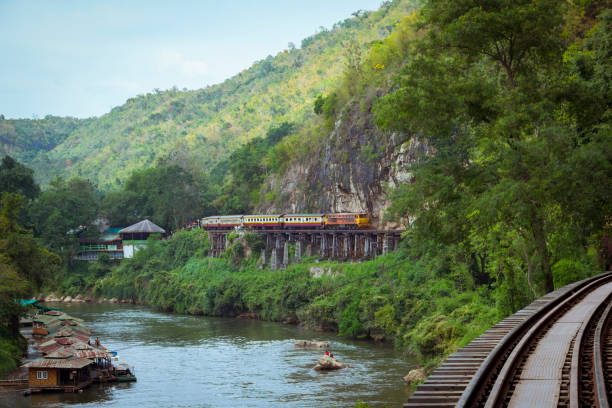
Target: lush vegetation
[
  {"x": 196, "y": 129},
  {"x": 514, "y": 98},
  {"x": 24, "y": 264},
  {"x": 519, "y": 114},
  {"x": 25, "y": 138}
]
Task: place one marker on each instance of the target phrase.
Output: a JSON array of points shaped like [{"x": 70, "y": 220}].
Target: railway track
[{"x": 557, "y": 352}]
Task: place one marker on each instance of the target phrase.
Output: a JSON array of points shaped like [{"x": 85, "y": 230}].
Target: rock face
[
  {"x": 349, "y": 171},
  {"x": 327, "y": 363},
  {"x": 415, "y": 376},
  {"x": 311, "y": 344}
]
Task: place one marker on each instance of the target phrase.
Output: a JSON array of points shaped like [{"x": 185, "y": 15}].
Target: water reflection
[{"x": 212, "y": 362}]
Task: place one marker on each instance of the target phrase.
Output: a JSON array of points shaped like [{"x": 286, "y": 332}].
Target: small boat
[{"x": 124, "y": 372}]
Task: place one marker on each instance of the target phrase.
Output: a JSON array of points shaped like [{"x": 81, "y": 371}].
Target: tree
[
  {"x": 490, "y": 90},
  {"x": 64, "y": 212},
  {"x": 19, "y": 251},
  {"x": 12, "y": 287},
  {"x": 276, "y": 133},
  {"x": 519, "y": 35},
  {"x": 17, "y": 178},
  {"x": 167, "y": 194},
  {"x": 120, "y": 207},
  {"x": 24, "y": 265}
]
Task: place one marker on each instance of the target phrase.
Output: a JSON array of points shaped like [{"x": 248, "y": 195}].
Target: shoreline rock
[
  {"x": 327, "y": 363},
  {"x": 311, "y": 344},
  {"x": 52, "y": 298},
  {"x": 415, "y": 376}
]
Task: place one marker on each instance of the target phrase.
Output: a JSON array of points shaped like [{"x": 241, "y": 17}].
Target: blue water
[{"x": 190, "y": 361}]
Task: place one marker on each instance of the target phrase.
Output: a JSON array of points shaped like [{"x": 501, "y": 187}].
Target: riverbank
[{"x": 391, "y": 299}]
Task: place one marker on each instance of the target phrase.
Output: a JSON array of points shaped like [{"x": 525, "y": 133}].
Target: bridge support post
[
  {"x": 262, "y": 259},
  {"x": 385, "y": 244},
  {"x": 345, "y": 252},
  {"x": 273, "y": 260},
  {"x": 285, "y": 254},
  {"x": 323, "y": 246},
  {"x": 211, "y": 239},
  {"x": 298, "y": 250},
  {"x": 275, "y": 257},
  {"x": 334, "y": 248},
  {"x": 269, "y": 240},
  {"x": 217, "y": 242}
]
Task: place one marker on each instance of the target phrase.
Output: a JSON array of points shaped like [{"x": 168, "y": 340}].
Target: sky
[{"x": 81, "y": 58}]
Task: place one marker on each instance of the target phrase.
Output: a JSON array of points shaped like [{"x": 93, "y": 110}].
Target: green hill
[{"x": 196, "y": 129}]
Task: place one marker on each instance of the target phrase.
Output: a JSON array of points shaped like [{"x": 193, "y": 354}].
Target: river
[{"x": 194, "y": 361}]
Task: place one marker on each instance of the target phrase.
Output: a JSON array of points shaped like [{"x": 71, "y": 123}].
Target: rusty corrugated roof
[
  {"x": 54, "y": 313},
  {"x": 60, "y": 363},
  {"x": 61, "y": 353},
  {"x": 91, "y": 354},
  {"x": 44, "y": 319}
]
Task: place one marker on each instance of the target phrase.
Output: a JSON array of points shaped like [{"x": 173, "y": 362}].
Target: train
[{"x": 287, "y": 221}]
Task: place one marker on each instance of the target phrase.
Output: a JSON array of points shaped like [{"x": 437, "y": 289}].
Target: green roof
[{"x": 113, "y": 231}]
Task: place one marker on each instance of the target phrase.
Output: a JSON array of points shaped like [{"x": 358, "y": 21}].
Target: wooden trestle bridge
[
  {"x": 557, "y": 352},
  {"x": 341, "y": 244}
]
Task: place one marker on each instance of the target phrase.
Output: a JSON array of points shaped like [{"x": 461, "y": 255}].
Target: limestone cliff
[{"x": 351, "y": 171}]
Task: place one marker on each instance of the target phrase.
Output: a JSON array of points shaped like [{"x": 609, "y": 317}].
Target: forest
[{"x": 514, "y": 99}]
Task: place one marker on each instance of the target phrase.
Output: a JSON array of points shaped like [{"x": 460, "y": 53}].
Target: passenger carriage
[
  {"x": 222, "y": 222},
  {"x": 303, "y": 221},
  {"x": 262, "y": 221}
]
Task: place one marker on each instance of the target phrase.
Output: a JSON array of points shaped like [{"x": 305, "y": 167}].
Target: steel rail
[
  {"x": 503, "y": 378},
  {"x": 601, "y": 396},
  {"x": 577, "y": 355},
  {"x": 518, "y": 340}
]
